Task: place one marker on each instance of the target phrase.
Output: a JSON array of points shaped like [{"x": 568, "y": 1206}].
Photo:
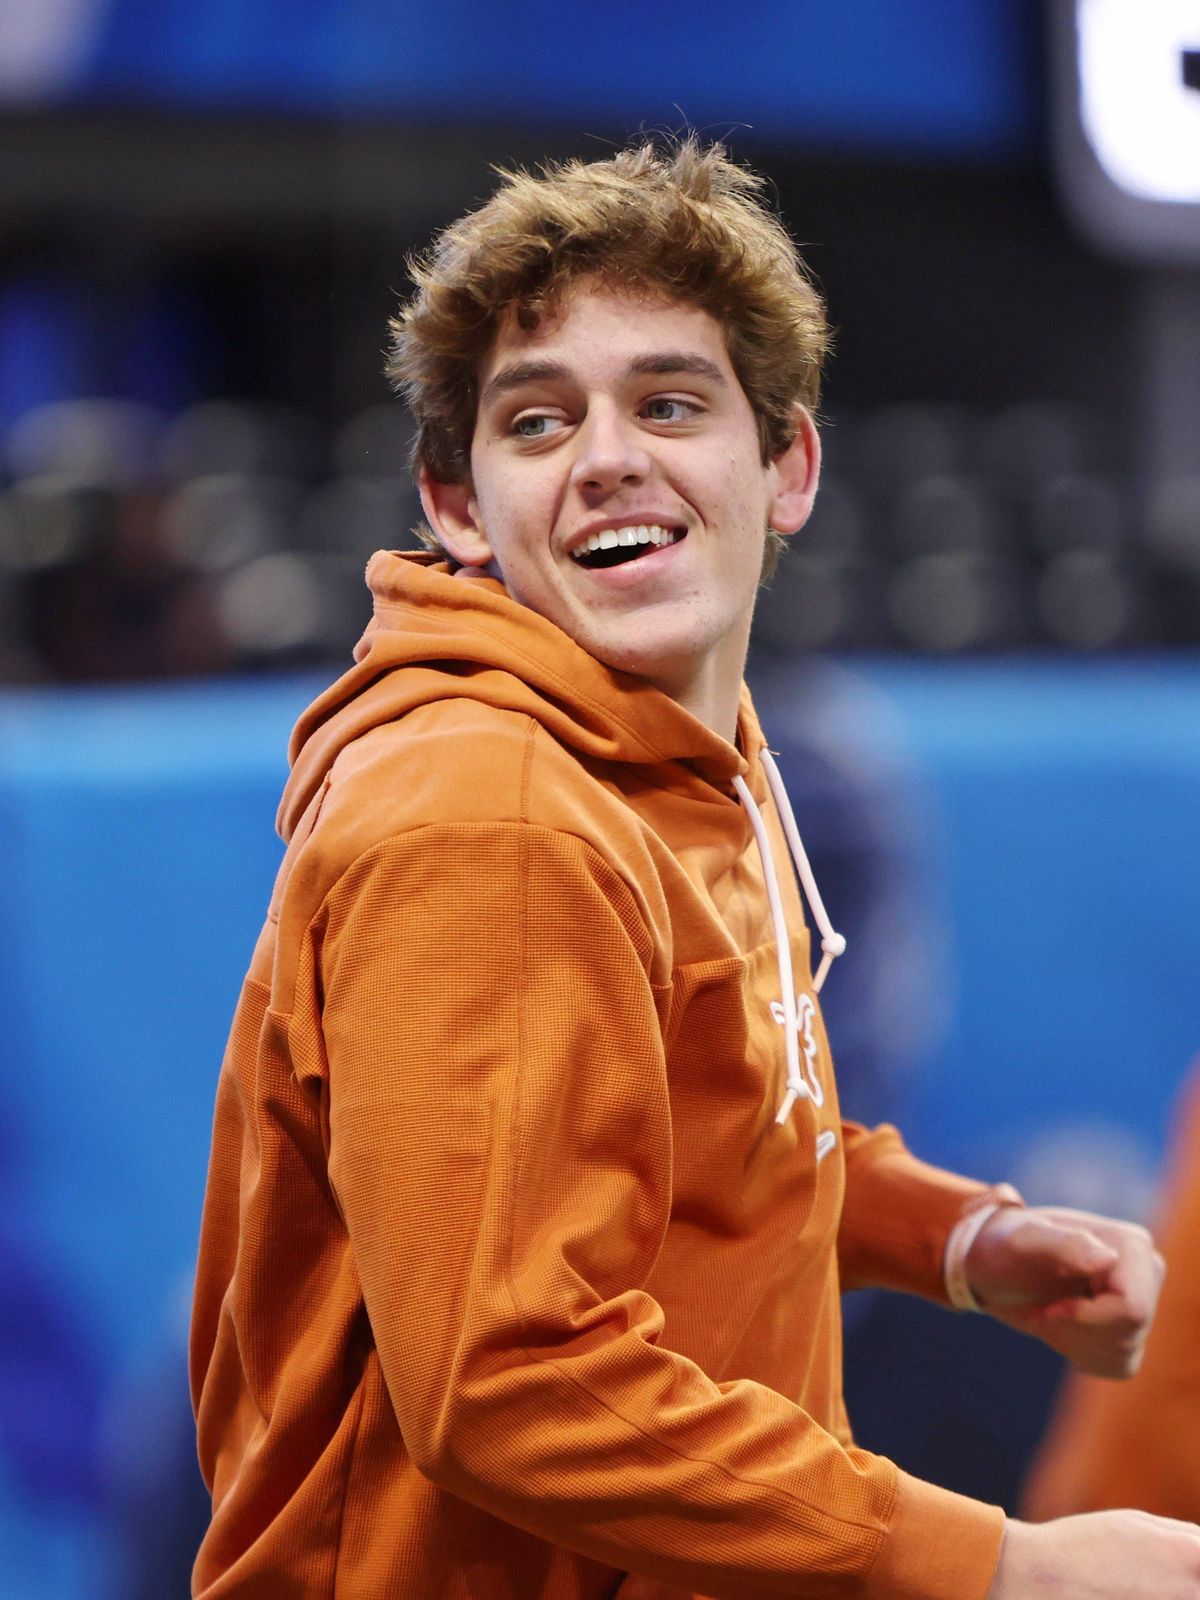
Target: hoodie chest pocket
[
  {"x": 729, "y": 1078},
  {"x": 728, "y": 1056}
]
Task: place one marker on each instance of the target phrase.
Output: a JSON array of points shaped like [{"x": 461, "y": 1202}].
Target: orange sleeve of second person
[{"x": 1135, "y": 1443}]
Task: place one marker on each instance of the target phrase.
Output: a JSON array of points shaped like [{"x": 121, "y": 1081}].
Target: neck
[{"x": 713, "y": 693}]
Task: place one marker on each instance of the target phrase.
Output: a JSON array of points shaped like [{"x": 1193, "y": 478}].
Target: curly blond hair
[{"x": 681, "y": 220}]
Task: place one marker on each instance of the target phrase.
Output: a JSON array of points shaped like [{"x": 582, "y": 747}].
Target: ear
[
  {"x": 796, "y": 471},
  {"x": 453, "y": 514}
]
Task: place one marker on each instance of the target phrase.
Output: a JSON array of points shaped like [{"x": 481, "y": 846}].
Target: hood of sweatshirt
[{"x": 435, "y": 636}]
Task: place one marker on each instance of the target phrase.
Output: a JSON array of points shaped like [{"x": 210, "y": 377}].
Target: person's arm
[
  {"x": 1135, "y": 1444},
  {"x": 897, "y": 1215},
  {"x": 1086, "y": 1285},
  {"x": 1104, "y": 1555},
  {"x": 501, "y": 1151}
]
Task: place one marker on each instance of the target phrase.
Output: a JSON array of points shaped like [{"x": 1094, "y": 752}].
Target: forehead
[{"x": 596, "y": 332}]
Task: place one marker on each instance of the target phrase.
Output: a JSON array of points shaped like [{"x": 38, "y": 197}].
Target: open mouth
[{"x": 614, "y": 547}]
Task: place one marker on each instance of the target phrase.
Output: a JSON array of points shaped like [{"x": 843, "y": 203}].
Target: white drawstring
[{"x": 832, "y": 943}]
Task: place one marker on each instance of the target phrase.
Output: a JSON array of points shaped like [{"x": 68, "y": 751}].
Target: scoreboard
[{"x": 1126, "y": 118}]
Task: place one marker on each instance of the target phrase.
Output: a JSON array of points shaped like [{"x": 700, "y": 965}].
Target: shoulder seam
[
  {"x": 527, "y": 770},
  {"x": 519, "y": 826}
]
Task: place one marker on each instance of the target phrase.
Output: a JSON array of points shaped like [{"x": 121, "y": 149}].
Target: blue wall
[
  {"x": 1064, "y": 802},
  {"x": 953, "y": 75}
]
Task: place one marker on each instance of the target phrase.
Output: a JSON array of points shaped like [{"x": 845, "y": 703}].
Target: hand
[
  {"x": 1107, "y": 1555},
  {"x": 1085, "y": 1285}
]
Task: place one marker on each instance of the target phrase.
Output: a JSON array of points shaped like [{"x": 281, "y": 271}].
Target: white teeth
[{"x": 610, "y": 538}]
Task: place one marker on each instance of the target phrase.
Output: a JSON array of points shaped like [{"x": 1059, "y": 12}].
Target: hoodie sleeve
[
  {"x": 897, "y": 1214},
  {"x": 500, "y": 1147}
]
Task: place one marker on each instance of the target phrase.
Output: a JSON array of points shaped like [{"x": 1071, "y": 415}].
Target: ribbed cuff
[{"x": 940, "y": 1546}]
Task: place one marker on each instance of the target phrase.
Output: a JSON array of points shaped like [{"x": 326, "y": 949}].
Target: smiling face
[{"x": 617, "y": 485}]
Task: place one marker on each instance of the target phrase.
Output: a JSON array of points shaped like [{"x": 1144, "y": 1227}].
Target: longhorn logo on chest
[{"x": 806, "y": 1011}]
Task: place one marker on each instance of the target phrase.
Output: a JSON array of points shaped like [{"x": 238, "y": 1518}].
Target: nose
[{"x": 609, "y": 452}]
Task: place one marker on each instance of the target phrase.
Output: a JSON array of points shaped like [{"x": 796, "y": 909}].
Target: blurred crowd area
[
  {"x": 233, "y": 536},
  {"x": 198, "y": 451}
]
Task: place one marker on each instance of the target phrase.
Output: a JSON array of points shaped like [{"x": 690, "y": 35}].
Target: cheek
[
  {"x": 490, "y": 475},
  {"x": 494, "y": 506},
  {"x": 507, "y": 497},
  {"x": 748, "y": 502}
]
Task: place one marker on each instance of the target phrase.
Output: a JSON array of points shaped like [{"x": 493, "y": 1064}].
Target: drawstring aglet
[
  {"x": 834, "y": 945},
  {"x": 785, "y": 1110}
]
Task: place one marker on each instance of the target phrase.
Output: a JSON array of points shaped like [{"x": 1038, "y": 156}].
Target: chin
[{"x": 662, "y": 666}]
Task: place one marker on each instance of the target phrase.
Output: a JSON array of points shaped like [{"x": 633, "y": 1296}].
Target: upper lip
[{"x": 631, "y": 519}]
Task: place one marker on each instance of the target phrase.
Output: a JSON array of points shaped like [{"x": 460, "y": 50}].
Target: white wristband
[{"x": 958, "y": 1247}]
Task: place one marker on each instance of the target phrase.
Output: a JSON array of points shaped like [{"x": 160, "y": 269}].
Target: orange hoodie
[{"x": 511, "y": 1285}]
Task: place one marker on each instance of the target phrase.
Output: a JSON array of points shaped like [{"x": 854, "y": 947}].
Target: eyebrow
[
  {"x": 664, "y": 363},
  {"x": 659, "y": 363},
  {"x": 518, "y": 375}
]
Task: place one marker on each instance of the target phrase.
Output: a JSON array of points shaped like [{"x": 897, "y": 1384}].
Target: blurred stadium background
[{"x": 980, "y": 660}]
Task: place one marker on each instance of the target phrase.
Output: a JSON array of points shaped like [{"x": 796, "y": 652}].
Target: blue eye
[
  {"x": 533, "y": 426},
  {"x": 665, "y": 409}
]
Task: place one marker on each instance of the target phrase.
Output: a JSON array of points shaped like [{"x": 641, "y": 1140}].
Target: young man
[{"x": 530, "y": 1202}]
